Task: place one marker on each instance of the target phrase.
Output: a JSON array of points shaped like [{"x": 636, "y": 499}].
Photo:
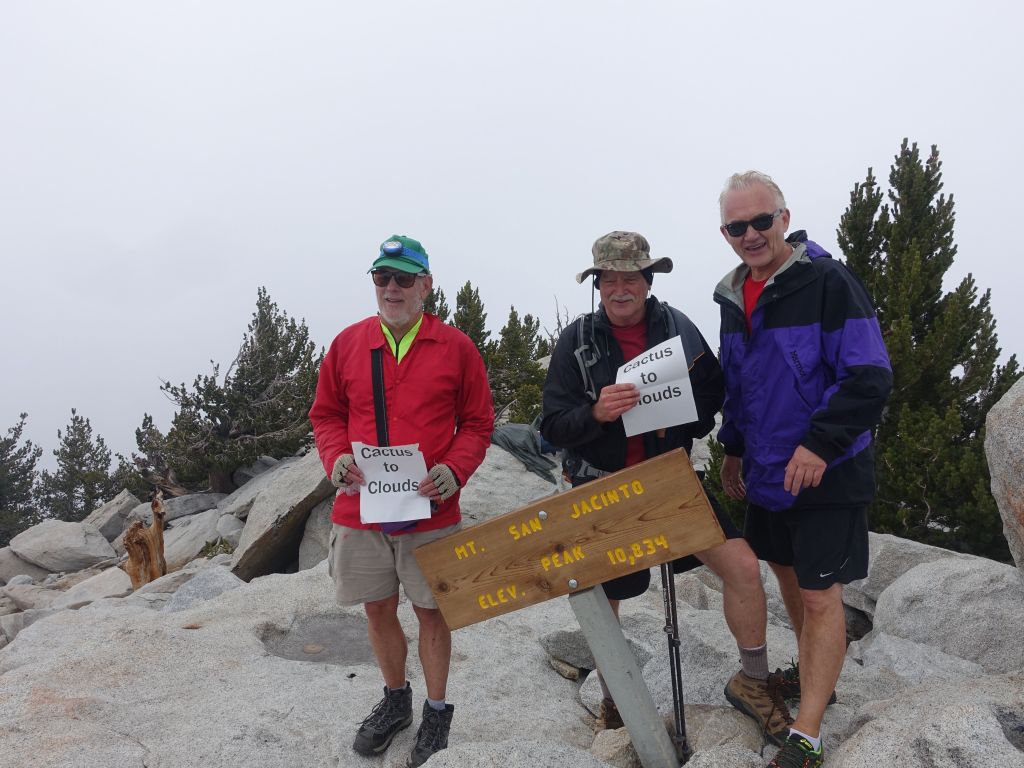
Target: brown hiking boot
[
  {"x": 761, "y": 701},
  {"x": 608, "y": 717}
]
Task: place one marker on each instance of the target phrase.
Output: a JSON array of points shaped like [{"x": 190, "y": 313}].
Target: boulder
[
  {"x": 12, "y": 566},
  {"x": 1004, "y": 449},
  {"x": 179, "y": 506},
  {"x": 914, "y": 663},
  {"x": 58, "y": 546},
  {"x": 890, "y": 558},
  {"x": 500, "y": 484},
  {"x": 974, "y": 721},
  {"x": 229, "y": 528},
  {"x": 113, "y": 582},
  {"x": 185, "y": 540},
  {"x": 110, "y": 519},
  {"x": 986, "y": 597},
  {"x": 28, "y": 596},
  {"x": 316, "y": 538},
  {"x": 204, "y": 585},
  {"x": 276, "y": 516},
  {"x": 13, "y": 623},
  {"x": 243, "y": 475}
]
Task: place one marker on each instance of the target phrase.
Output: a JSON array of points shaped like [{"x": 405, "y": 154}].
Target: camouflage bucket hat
[{"x": 624, "y": 252}]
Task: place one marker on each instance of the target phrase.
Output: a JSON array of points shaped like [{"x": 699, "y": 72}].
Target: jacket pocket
[{"x": 800, "y": 347}]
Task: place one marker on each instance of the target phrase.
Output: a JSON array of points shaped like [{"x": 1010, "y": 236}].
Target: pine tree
[
  {"x": 17, "y": 479},
  {"x": 471, "y": 319},
  {"x": 82, "y": 481},
  {"x": 933, "y": 481},
  {"x": 437, "y": 304},
  {"x": 515, "y": 377},
  {"x": 258, "y": 407}
]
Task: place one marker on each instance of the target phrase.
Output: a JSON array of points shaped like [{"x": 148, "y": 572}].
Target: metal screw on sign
[
  {"x": 573, "y": 583},
  {"x": 542, "y": 515}
]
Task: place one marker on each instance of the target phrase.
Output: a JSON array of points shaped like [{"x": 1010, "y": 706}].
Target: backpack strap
[
  {"x": 379, "y": 406},
  {"x": 586, "y": 356}
]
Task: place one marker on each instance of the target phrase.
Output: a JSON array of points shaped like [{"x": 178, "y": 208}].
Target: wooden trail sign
[{"x": 639, "y": 517}]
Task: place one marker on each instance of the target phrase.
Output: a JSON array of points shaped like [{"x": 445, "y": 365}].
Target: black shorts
[
  {"x": 824, "y": 545},
  {"x": 634, "y": 584}
]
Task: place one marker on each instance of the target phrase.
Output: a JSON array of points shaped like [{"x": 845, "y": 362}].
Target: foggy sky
[{"x": 160, "y": 161}]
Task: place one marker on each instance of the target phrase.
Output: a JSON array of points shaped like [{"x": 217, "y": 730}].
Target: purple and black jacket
[{"x": 813, "y": 371}]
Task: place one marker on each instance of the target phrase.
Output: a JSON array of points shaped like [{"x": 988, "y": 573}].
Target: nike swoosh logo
[{"x": 823, "y": 575}]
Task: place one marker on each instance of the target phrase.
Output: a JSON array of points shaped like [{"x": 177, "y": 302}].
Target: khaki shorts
[{"x": 369, "y": 565}]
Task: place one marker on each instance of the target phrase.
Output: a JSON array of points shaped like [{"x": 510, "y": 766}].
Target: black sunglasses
[
  {"x": 760, "y": 223},
  {"x": 404, "y": 279}
]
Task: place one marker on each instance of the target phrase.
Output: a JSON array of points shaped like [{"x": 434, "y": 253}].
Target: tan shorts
[{"x": 369, "y": 565}]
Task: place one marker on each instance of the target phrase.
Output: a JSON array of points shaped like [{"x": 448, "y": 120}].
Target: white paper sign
[
  {"x": 666, "y": 397},
  {"x": 393, "y": 477}
]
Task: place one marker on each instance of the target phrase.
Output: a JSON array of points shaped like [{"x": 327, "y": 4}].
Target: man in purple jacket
[{"x": 806, "y": 378}]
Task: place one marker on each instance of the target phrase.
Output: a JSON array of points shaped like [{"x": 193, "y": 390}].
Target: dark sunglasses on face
[
  {"x": 404, "y": 279},
  {"x": 760, "y": 223}
]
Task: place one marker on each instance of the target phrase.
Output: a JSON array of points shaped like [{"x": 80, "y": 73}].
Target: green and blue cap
[{"x": 404, "y": 254}]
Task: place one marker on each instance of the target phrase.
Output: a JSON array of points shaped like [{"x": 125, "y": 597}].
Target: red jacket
[{"x": 438, "y": 397}]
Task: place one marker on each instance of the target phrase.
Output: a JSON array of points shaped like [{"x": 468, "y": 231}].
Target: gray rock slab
[
  {"x": 243, "y": 475},
  {"x": 276, "y": 519},
  {"x": 967, "y": 607},
  {"x": 188, "y": 535},
  {"x": 110, "y": 518},
  {"x": 20, "y": 579},
  {"x": 29, "y": 596},
  {"x": 501, "y": 484},
  {"x": 179, "y": 506},
  {"x": 890, "y": 558},
  {"x": 230, "y": 528},
  {"x": 1004, "y": 450},
  {"x": 204, "y": 585},
  {"x": 514, "y": 754},
  {"x": 58, "y": 546},
  {"x": 316, "y": 538},
  {"x": 13, "y": 623},
  {"x": 970, "y": 723},
  {"x": 113, "y": 582},
  {"x": 914, "y": 663},
  {"x": 241, "y": 500},
  {"x": 12, "y": 566}
]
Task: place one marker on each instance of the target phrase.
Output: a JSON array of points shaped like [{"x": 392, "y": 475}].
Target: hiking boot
[
  {"x": 432, "y": 735},
  {"x": 608, "y": 717},
  {"x": 392, "y": 714},
  {"x": 763, "y": 703},
  {"x": 797, "y": 752},
  {"x": 788, "y": 682}
]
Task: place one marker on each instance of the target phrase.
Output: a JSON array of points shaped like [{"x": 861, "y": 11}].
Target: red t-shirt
[
  {"x": 751, "y": 293},
  {"x": 633, "y": 341}
]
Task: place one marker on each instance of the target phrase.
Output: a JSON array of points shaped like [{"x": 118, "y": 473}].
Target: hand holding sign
[
  {"x": 392, "y": 476},
  {"x": 615, "y": 400},
  {"x": 665, "y": 395}
]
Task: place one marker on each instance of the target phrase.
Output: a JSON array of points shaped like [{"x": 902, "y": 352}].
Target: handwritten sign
[
  {"x": 639, "y": 517},
  {"x": 393, "y": 476},
  {"x": 666, "y": 397}
]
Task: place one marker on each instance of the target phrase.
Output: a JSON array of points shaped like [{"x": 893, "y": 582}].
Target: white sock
[{"x": 814, "y": 741}]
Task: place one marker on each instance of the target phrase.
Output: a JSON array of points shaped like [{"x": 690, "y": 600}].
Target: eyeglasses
[
  {"x": 382, "y": 278},
  {"x": 760, "y": 223}
]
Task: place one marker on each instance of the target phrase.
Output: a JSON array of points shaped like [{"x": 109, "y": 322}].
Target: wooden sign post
[{"x": 642, "y": 516}]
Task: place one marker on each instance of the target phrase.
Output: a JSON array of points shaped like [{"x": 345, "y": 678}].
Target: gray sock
[
  {"x": 438, "y": 704},
  {"x": 755, "y": 661}
]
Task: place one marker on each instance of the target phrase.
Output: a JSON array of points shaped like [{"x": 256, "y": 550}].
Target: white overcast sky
[{"x": 161, "y": 160}]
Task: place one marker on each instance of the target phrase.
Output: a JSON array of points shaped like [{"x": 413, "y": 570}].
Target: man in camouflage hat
[{"x": 583, "y": 407}]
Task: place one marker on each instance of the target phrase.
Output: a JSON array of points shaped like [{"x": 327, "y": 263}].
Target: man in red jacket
[{"x": 435, "y": 394}]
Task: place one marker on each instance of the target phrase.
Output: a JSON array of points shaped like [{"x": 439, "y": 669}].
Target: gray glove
[
  {"x": 444, "y": 480},
  {"x": 341, "y": 465}
]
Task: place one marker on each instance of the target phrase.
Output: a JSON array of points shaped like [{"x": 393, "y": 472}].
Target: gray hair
[{"x": 746, "y": 181}]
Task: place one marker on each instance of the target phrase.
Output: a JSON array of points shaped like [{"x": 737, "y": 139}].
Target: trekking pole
[{"x": 674, "y": 664}]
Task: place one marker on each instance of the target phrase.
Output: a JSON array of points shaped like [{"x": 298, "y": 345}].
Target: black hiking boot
[
  {"x": 432, "y": 735},
  {"x": 392, "y": 714},
  {"x": 787, "y": 681}
]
